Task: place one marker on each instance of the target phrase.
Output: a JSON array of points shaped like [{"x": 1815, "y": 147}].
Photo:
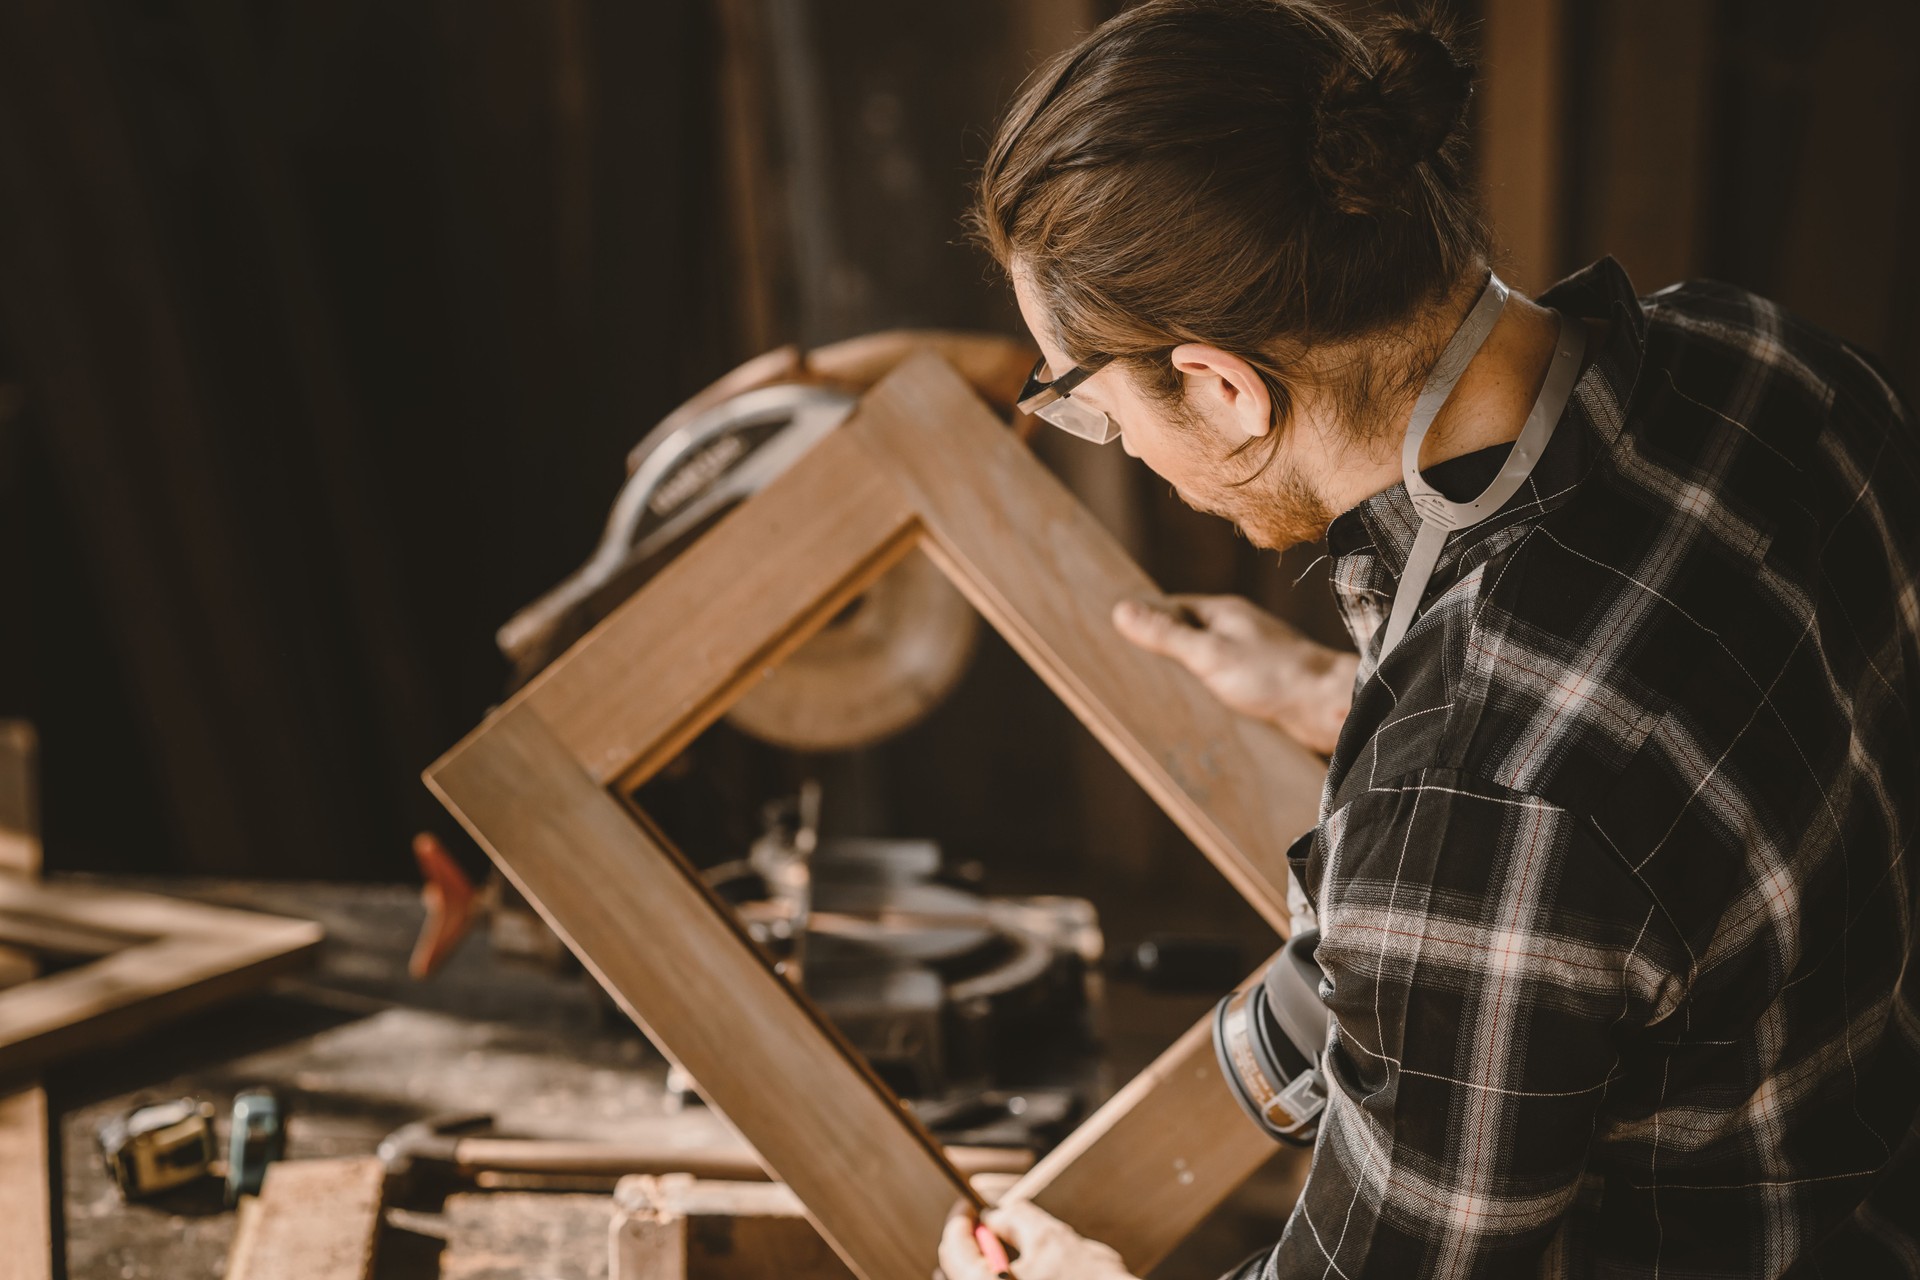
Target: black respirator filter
[{"x": 1269, "y": 1037}]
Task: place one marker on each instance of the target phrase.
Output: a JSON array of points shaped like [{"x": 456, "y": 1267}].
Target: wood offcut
[
  {"x": 313, "y": 1220},
  {"x": 678, "y": 1227},
  {"x": 27, "y": 1199}
]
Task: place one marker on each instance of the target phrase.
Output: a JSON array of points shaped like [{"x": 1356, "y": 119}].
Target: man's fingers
[
  {"x": 1158, "y": 629},
  {"x": 1209, "y": 610},
  {"x": 960, "y": 1257},
  {"x": 1234, "y": 617},
  {"x": 1021, "y": 1224}
]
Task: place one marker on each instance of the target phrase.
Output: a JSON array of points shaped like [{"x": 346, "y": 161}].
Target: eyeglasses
[{"x": 1047, "y": 400}]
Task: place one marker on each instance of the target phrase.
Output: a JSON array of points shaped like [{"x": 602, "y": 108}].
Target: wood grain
[
  {"x": 655, "y": 936},
  {"x": 1047, "y": 575},
  {"x": 26, "y": 1207},
  {"x": 313, "y": 1220}
]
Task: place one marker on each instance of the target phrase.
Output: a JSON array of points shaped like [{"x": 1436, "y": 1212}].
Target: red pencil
[{"x": 995, "y": 1252}]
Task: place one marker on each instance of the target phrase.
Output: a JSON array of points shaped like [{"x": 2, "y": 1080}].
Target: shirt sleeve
[{"x": 1489, "y": 958}]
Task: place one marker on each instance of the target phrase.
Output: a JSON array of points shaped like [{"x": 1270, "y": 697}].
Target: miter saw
[
  {"x": 884, "y": 661},
  {"x": 931, "y": 980}
]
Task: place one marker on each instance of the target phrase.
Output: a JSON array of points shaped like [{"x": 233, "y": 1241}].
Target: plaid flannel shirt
[{"x": 1610, "y": 873}]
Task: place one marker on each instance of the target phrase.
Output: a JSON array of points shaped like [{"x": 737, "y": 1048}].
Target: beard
[
  {"x": 1274, "y": 508},
  {"x": 1271, "y": 503}
]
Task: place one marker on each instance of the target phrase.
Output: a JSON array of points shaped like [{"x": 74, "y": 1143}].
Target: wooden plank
[
  {"x": 668, "y": 1145},
  {"x": 668, "y": 662},
  {"x": 1522, "y": 130},
  {"x": 314, "y": 1220},
  {"x": 1172, "y": 1138},
  {"x": 197, "y": 955},
  {"x": 26, "y": 1205},
  {"x": 656, "y": 937},
  {"x": 681, "y": 1228},
  {"x": 19, "y": 845},
  {"x": 519, "y": 1235},
  {"x": 58, "y": 937},
  {"x": 19, "y": 809},
  {"x": 1047, "y": 575}
]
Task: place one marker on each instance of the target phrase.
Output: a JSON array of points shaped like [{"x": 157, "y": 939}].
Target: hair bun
[{"x": 1372, "y": 127}]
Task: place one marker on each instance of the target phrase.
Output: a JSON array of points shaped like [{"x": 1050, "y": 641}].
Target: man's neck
[{"x": 1488, "y": 407}]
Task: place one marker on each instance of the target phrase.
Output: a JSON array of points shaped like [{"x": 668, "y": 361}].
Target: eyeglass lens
[{"x": 1077, "y": 419}]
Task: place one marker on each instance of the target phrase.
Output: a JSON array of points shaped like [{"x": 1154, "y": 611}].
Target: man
[{"x": 1611, "y": 872}]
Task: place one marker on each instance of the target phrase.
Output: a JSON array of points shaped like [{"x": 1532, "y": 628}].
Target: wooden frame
[
  {"x": 155, "y": 959},
  {"x": 28, "y": 1221},
  {"x": 541, "y": 785}
]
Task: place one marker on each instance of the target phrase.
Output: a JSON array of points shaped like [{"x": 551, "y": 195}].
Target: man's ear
[{"x": 1226, "y": 389}]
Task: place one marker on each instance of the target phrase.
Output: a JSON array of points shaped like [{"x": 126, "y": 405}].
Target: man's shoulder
[
  {"x": 1761, "y": 465},
  {"x": 1741, "y": 349},
  {"x": 1685, "y": 650}
]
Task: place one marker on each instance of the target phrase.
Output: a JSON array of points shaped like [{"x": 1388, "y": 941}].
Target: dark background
[{"x": 327, "y": 324}]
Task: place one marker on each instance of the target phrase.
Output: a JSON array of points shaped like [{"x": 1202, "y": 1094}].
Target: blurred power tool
[
  {"x": 872, "y": 671},
  {"x": 883, "y": 662},
  {"x": 153, "y": 1148}
]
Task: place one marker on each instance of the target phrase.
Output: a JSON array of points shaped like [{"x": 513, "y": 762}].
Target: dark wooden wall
[
  {"x": 334, "y": 321},
  {"x": 1772, "y": 143},
  {"x": 327, "y": 324}
]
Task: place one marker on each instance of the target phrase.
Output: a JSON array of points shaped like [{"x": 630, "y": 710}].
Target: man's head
[{"x": 1256, "y": 224}]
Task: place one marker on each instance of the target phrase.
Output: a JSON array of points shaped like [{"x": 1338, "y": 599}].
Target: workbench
[{"x": 356, "y": 1050}]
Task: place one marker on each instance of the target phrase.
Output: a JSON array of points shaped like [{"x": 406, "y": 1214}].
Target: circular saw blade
[
  {"x": 885, "y": 661},
  {"x": 889, "y": 657}
]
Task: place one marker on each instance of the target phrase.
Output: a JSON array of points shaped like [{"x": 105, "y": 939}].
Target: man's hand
[
  {"x": 1049, "y": 1249},
  {"x": 1250, "y": 660}
]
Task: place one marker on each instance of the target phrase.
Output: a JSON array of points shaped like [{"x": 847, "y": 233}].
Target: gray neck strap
[{"x": 1439, "y": 515}]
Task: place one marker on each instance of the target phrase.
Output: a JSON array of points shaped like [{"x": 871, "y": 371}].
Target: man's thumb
[{"x": 1158, "y": 630}]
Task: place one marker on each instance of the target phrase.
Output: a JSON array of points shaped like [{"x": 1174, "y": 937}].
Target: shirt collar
[{"x": 1380, "y": 530}]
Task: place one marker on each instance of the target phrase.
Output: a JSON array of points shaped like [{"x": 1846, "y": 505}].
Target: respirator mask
[{"x": 1268, "y": 1038}]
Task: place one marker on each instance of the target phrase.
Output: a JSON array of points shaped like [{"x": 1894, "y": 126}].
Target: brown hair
[{"x": 1247, "y": 173}]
